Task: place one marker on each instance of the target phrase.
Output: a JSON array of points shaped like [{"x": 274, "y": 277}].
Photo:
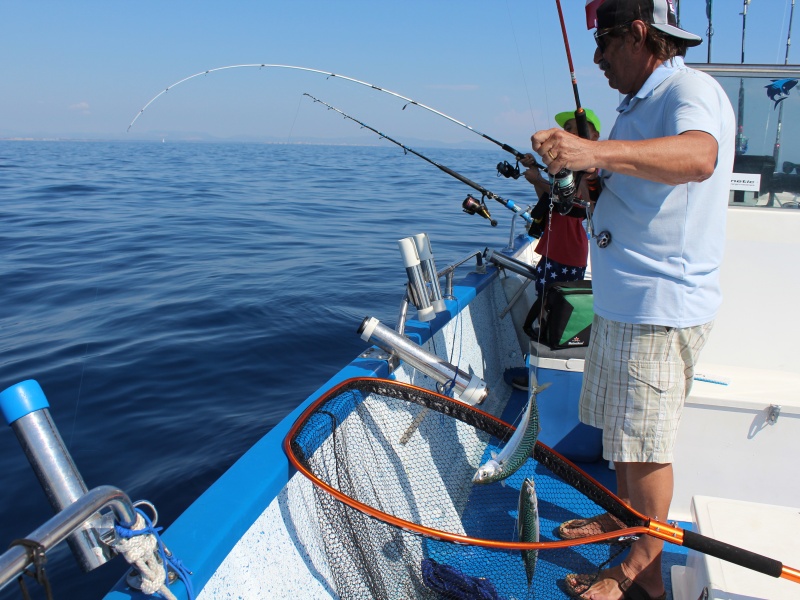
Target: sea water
[{"x": 176, "y": 301}]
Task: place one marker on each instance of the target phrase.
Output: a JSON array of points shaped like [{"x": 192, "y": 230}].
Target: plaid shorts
[{"x": 635, "y": 380}]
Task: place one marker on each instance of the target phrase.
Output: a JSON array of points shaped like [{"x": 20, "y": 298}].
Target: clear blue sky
[{"x": 85, "y": 68}]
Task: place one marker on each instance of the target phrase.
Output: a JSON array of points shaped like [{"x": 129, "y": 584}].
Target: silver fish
[
  {"x": 528, "y": 525},
  {"x": 519, "y": 447}
]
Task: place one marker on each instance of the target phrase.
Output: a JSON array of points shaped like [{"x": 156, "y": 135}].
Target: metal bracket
[
  {"x": 375, "y": 353},
  {"x": 773, "y": 412}
]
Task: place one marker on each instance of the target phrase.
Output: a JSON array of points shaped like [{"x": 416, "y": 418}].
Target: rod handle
[
  {"x": 732, "y": 554},
  {"x": 582, "y": 123}
]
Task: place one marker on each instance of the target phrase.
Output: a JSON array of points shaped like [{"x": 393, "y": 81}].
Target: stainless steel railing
[{"x": 69, "y": 521}]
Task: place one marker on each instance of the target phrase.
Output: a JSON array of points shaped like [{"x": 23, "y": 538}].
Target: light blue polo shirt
[{"x": 662, "y": 266}]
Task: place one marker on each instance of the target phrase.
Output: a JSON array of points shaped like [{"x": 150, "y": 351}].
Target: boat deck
[{"x": 551, "y": 516}]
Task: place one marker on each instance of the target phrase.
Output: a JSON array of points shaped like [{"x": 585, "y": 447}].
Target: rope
[
  {"x": 38, "y": 558},
  {"x": 143, "y": 548}
]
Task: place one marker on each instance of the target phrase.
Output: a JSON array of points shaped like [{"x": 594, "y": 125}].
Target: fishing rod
[
  {"x": 504, "y": 168},
  {"x": 776, "y": 150},
  {"x": 581, "y": 121},
  {"x": 565, "y": 182},
  {"x": 470, "y": 205},
  {"x": 741, "y": 138}
]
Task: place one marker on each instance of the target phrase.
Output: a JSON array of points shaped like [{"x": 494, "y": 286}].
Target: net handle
[{"x": 722, "y": 550}]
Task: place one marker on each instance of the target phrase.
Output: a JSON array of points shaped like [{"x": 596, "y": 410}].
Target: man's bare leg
[{"x": 648, "y": 487}]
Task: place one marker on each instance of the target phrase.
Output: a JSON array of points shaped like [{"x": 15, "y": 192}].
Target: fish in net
[{"x": 405, "y": 520}]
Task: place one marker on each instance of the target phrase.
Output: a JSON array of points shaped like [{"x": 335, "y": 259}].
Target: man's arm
[{"x": 690, "y": 156}]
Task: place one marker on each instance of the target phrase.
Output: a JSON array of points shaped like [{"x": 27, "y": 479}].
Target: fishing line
[
  {"x": 80, "y": 384},
  {"x": 557, "y": 187},
  {"x": 470, "y": 205},
  {"x": 518, "y": 155},
  {"x": 542, "y": 53},
  {"x": 460, "y": 337},
  {"x": 297, "y": 112},
  {"x": 521, "y": 69}
]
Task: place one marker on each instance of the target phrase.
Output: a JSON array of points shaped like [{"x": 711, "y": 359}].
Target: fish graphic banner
[{"x": 779, "y": 89}]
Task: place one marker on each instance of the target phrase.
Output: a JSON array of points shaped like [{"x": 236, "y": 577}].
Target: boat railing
[
  {"x": 71, "y": 520},
  {"x": 775, "y": 71},
  {"x": 513, "y": 230},
  {"x": 449, "y": 271}
]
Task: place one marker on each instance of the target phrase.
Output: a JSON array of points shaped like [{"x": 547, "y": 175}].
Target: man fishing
[{"x": 665, "y": 173}]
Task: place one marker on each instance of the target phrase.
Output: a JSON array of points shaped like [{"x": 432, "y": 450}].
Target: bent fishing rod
[
  {"x": 470, "y": 205},
  {"x": 504, "y": 168}
]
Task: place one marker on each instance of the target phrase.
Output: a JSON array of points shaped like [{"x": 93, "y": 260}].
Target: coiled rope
[{"x": 142, "y": 547}]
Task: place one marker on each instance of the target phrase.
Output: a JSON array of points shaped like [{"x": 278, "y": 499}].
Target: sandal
[
  {"x": 576, "y": 585},
  {"x": 602, "y": 523}
]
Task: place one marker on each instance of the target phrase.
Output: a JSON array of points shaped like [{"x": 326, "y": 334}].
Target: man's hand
[
  {"x": 562, "y": 150},
  {"x": 664, "y": 160}
]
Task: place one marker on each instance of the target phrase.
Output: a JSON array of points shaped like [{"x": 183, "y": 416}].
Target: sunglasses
[{"x": 602, "y": 41}]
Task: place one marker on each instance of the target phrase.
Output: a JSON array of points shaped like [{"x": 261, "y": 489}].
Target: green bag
[{"x": 568, "y": 314}]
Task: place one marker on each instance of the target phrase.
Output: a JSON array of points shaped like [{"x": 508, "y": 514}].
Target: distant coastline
[{"x": 184, "y": 139}]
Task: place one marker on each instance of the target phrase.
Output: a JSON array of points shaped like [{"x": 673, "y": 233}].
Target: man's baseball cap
[
  {"x": 563, "y": 117},
  {"x": 604, "y": 14}
]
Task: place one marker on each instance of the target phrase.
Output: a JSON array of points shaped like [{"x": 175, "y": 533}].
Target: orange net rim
[{"x": 653, "y": 528}]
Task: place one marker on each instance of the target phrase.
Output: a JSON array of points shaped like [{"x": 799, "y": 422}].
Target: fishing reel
[
  {"x": 565, "y": 185},
  {"x": 473, "y": 206},
  {"x": 603, "y": 239},
  {"x": 507, "y": 170}
]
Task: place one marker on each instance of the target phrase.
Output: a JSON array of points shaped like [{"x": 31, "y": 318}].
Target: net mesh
[{"x": 388, "y": 512}]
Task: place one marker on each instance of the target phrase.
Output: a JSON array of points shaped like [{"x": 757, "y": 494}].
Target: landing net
[{"x": 402, "y": 520}]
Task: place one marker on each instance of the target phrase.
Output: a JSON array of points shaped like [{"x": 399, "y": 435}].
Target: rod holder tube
[
  {"x": 27, "y": 412},
  {"x": 511, "y": 264},
  {"x": 425, "y": 253},
  {"x": 417, "y": 290},
  {"x": 471, "y": 389}
]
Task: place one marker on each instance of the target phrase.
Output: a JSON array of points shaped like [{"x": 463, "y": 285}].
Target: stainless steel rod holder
[
  {"x": 471, "y": 389},
  {"x": 417, "y": 290},
  {"x": 27, "y": 412},
  {"x": 512, "y": 264},
  {"x": 425, "y": 253}
]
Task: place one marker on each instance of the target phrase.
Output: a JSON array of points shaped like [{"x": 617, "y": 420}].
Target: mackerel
[
  {"x": 528, "y": 525},
  {"x": 519, "y": 447}
]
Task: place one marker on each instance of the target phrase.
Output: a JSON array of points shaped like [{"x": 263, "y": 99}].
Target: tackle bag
[{"x": 567, "y": 317}]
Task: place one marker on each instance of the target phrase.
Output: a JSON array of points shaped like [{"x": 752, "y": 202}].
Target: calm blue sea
[{"x": 175, "y": 301}]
